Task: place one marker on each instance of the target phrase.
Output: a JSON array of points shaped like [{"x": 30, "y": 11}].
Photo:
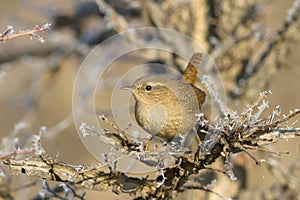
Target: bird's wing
[{"x": 200, "y": 95}]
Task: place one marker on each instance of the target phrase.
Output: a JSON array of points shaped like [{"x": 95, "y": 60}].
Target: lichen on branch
[{"x": 228, "y": 135}]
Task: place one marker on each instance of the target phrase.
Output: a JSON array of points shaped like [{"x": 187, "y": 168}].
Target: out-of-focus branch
[
  {"x": 253, "y": 67},
  {"x": 117, "y": 21}
]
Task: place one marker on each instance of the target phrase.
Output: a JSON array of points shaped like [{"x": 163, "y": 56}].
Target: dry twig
[{"x": 9, "y": 33}]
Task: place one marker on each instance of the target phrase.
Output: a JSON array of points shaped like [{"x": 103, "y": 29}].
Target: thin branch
[{"x": 10, "y": 33}]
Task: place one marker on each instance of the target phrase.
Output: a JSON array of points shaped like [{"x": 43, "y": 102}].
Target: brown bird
[{"x": 167, "y": 107}]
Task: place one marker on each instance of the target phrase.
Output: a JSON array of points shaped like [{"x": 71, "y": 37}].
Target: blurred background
[{"x": 36, "y": 79}]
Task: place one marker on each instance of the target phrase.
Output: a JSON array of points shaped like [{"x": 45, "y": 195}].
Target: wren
[{"x": 166, "y": 107}]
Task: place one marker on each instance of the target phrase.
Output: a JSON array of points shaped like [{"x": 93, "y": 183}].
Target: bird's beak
[{"x": 128, "y": 87}]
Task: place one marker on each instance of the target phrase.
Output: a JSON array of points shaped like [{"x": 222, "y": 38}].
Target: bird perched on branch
[{"x": 166, "y": 107}]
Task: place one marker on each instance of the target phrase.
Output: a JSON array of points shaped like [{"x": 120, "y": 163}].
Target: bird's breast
[{"x": 162, "y": 121}]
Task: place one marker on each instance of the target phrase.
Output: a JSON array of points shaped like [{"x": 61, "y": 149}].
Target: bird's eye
[{"x": 148, "y": 87}]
